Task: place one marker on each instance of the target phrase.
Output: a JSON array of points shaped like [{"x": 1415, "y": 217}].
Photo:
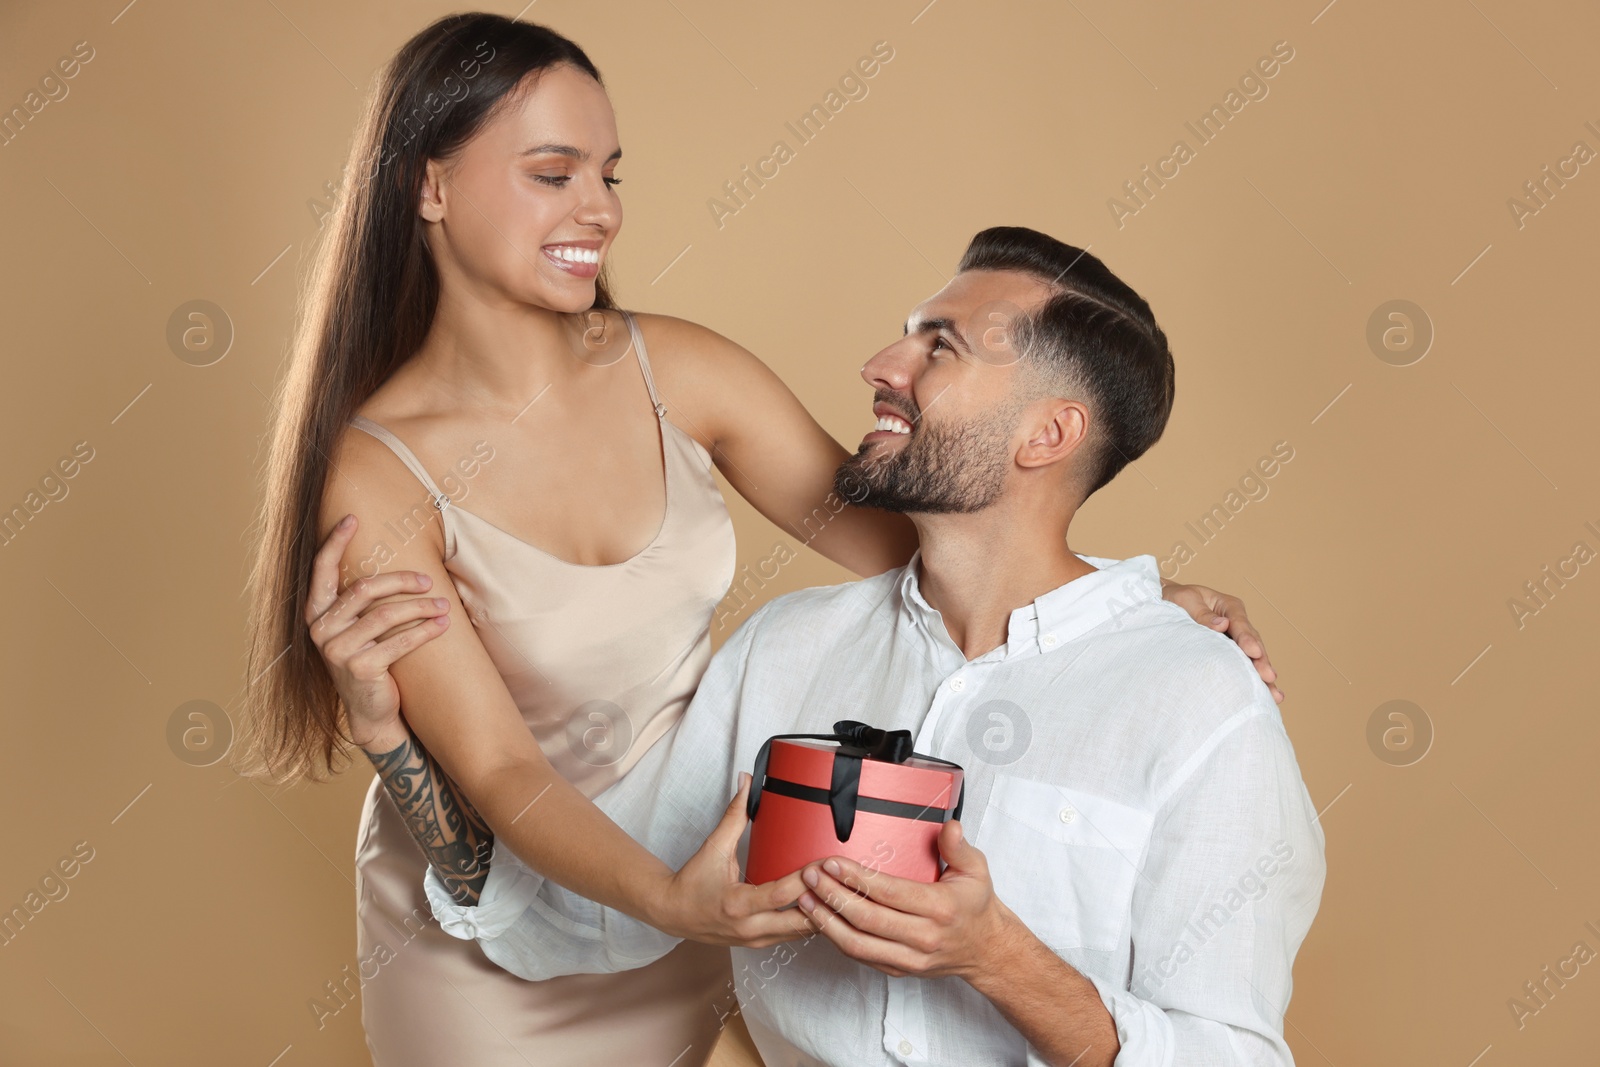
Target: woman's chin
[{"x": 568, "y": 299}]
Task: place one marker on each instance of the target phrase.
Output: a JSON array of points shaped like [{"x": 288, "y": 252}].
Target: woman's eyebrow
[{"x": 566, "y": 150}]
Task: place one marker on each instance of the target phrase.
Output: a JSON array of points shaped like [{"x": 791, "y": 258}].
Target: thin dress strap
[
  {"x": 644, "y": 364},
  {"x": 414, "y": 465}
]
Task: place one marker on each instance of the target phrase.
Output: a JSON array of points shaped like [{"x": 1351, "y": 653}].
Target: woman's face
[{"x": 528, "y": 208}]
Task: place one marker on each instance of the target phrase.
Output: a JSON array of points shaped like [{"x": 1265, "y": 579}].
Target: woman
[{"x": 458, "y": 321}]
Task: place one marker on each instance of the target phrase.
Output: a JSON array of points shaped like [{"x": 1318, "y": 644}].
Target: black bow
[{"x": 857, "y": 741}]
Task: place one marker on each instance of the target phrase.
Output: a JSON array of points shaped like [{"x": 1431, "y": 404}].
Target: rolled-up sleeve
[
  {"x": 1230, "y": 884},
  {"x": 669, "y": 802}
]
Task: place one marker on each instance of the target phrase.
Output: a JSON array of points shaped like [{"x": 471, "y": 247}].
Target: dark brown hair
[
  {"x": 1095, "y": 335},
  {"x": 365, "y": 309}
]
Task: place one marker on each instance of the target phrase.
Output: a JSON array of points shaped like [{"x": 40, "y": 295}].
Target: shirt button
[
  {"x": 957, "y": 684},
  {"x": 1049, "y": 639},
  {"x": 905, "y": 1048},
  {"x": 1069, "y": 814}
]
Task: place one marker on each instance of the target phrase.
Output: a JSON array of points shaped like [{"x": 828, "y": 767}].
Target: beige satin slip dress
[{"x": 601, "y": 660}]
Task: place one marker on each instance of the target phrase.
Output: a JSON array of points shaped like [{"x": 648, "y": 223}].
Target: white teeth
[
  {"x": 573, "y": 254},
  {"x": 893, "y": 424}
]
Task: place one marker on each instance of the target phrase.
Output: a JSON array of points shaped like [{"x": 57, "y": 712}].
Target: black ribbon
[{"x": 857, "y": 741}]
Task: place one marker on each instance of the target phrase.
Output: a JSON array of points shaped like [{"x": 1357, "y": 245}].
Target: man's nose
[{"x": 892, "y": 368}]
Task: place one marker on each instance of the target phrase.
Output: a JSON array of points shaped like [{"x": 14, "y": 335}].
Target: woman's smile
[{"x": 578, "y": 258}]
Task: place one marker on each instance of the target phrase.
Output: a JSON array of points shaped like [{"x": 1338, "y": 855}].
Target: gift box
[{"x": 858, "y": 792}]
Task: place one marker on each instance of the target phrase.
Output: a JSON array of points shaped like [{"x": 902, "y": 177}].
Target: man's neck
[{"x": 976, "y": 569}]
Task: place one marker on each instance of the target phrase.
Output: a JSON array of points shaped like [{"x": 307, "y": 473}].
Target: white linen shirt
[{"x": 1127, "y": 777}]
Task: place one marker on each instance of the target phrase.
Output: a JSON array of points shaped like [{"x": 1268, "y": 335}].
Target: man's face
[{"x": 944, "y": 398}]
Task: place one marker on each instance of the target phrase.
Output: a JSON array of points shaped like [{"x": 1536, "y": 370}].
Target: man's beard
[{"x": 944, "y": 469}]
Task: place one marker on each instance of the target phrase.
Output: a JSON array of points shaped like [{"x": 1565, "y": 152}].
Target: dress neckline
[
  {"x": 445, "y": 504},
  {"x": 666, "y": 514}
]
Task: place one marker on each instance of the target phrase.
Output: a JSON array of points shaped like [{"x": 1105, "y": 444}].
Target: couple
[
  {"x": 1144, "y": 792},
  {"x": 1139, "y": 860}
]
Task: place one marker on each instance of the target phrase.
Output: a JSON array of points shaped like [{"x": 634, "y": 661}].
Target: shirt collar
[{"x": 1065, "y": 613}]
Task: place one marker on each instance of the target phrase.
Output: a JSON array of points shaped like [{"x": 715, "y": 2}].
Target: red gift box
[{"x": 867, "y": 797}]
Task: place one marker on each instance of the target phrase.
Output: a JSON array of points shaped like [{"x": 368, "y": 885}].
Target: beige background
[{"x": 187, "y": 162}]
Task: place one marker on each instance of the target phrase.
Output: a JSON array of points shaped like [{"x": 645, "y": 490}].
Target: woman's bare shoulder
[
  {"x": 695, "y": 355},
  {"x": 672, "y": 332},
  {"x": 367, "y": 478},
  {"x": 721, "y": 387}
]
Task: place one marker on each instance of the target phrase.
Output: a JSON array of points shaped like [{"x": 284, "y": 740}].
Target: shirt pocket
[{"x": 1065, "y": 860}]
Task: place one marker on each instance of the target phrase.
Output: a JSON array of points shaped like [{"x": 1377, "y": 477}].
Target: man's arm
[
  {"x": 958, "y": 927},
  {"x": 1231, "y": 881},
  {"x": 1050, "y": 1002},
  {"x": 1230, "y": 884}
]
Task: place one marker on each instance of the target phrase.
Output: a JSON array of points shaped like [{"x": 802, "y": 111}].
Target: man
[{"x": 1138, "y": 860}]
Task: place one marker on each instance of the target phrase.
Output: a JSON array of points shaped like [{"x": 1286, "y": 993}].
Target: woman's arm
[
  {"x": 782, "y": 461},
  {"x": 453, "y": 836},
  {"x": 768, "y": 446},
  {"x": 459, "y": 709}
]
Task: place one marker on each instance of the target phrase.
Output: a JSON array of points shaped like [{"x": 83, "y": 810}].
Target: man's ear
[
  {"x": 431, "y": 202},
  {"x": 1060, "y": 428}
]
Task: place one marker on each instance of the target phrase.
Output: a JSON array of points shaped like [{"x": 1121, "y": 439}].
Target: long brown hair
[{"x": 365, "y": 309}]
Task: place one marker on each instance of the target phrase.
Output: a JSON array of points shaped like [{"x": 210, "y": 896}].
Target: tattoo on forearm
[{"x": 450, "y": 832}]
